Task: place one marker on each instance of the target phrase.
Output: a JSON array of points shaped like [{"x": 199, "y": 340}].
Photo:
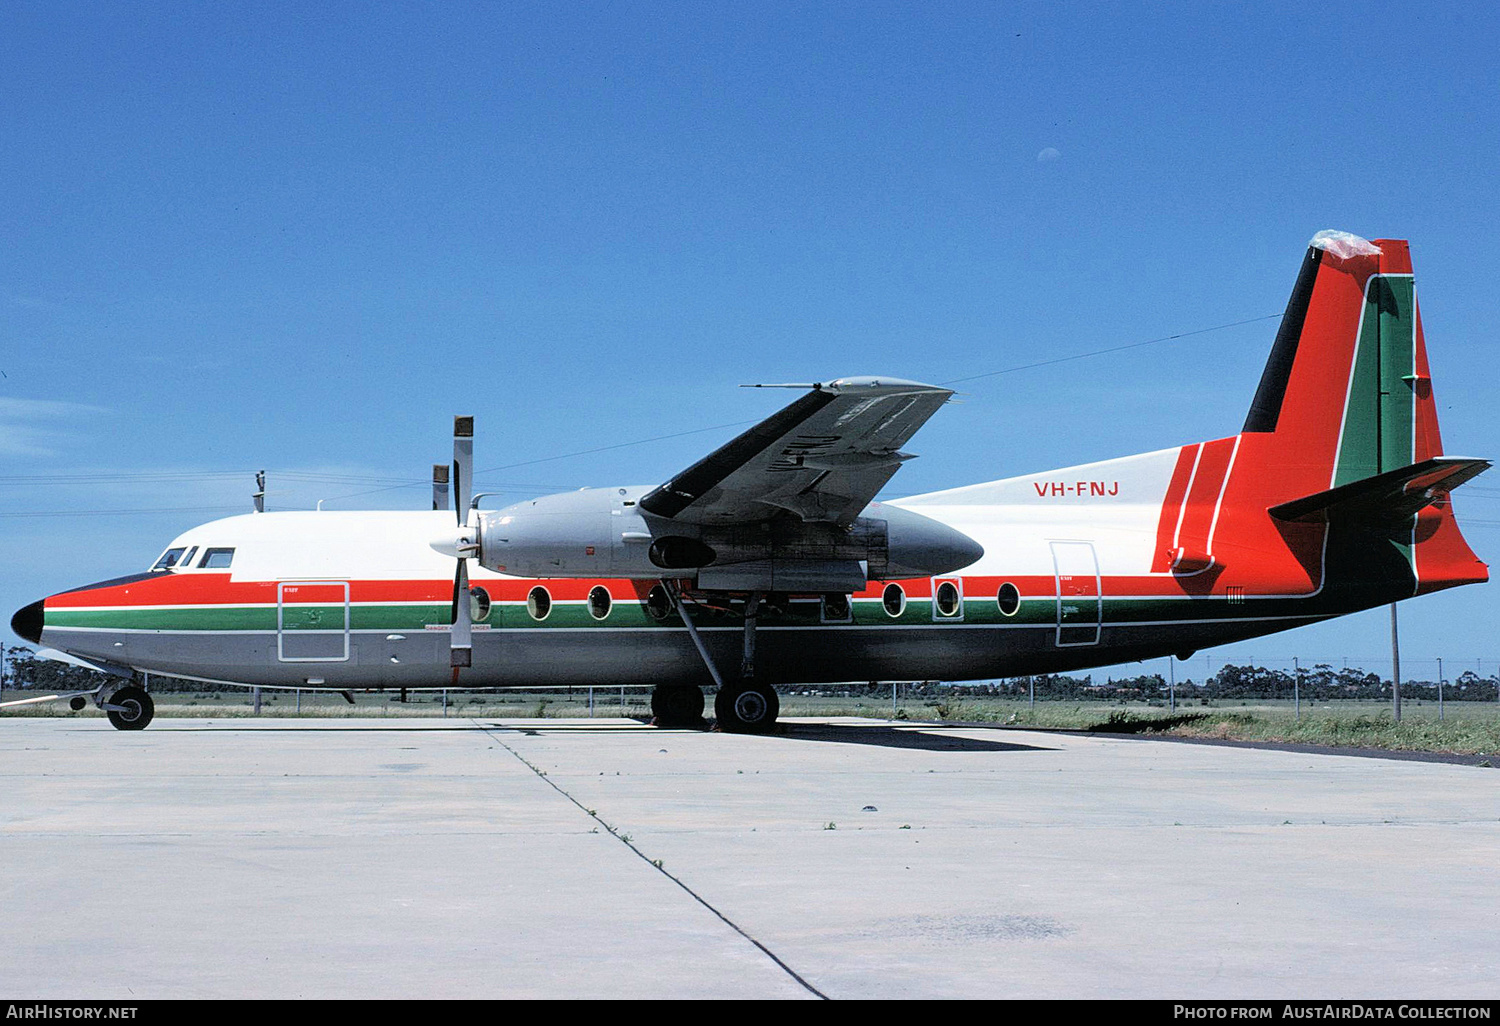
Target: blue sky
[{"x": 301, "y": 238}]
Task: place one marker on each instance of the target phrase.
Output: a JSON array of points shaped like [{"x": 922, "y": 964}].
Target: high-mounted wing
[{"x": 822, "y": 458}]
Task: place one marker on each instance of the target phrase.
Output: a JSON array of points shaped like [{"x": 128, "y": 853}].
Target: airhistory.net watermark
[{"x": 48, "y": 1010}]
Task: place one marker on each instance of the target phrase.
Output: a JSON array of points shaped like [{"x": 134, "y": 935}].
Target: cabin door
[
  {"x": 1079, "y": 598},
  {"x": 312, "y": 621}
]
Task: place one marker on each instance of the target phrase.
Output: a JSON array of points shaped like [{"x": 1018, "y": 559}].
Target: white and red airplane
[{"x": 768, "y": 562}]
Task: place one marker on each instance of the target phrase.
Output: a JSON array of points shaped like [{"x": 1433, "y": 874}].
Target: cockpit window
[
  {"x": 168, "y": 559},
  {"x": 216, "y": 559}
]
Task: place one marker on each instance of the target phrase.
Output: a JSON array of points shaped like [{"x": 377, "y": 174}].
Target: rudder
[
  {"x": 1346, "y": 396},
  {"x": 1347, "y": 382}
]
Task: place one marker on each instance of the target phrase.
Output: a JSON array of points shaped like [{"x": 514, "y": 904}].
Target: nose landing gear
[{"x": 129, "y": 708}]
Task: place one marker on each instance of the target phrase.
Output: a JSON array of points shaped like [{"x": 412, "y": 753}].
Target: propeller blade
[
  {"x": 461, "y": 641},
  {"x": 440, "y": 486},
  {"x": 463, "y": 466}
]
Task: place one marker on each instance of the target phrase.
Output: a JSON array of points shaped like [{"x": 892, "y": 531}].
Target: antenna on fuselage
[{"x": 260, "y": 495}]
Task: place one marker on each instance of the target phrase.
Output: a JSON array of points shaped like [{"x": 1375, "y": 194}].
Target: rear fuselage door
[
  {"x": 1079, "y": 598},
  {"x": 312, "y": 621}
]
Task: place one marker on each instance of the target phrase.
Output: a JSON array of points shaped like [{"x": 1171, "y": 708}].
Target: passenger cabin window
[
  {"x": 479, "y": 604},
  {"x": 894, "y": 600},
  {"x": 216, "y": 559},
  {"x": 168, "y": 559}
]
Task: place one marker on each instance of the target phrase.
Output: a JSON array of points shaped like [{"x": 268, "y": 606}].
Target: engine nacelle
[{"x": 601, "y": 532}]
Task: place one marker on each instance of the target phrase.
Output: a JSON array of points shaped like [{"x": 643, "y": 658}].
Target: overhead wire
[
  {"x": 550, "y": 459},
  {"x": 396, "y": 484},
  {"x": 1111, "y": 349}
]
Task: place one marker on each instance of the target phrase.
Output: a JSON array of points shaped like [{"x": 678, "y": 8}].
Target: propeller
[
  {"x": 440, "y": 486},
  {"x": 461, "y": 642}
]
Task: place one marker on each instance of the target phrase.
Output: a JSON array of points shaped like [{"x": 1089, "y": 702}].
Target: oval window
[
  {"x": 947, "y": 599},
  {"x": 539, "y": 603},
  {"x": 1009, "y": 599},
  {"x": 658, "y": 603},
  {"x": 479, "y": 605},
  {"x": 894, "y": 600},
  {"x": 599, "y": 602}
]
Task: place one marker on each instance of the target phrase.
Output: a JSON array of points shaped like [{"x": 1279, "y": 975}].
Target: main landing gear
[
  {"x": 746, "y": 706},
  {"x": 677, "y": 705}
]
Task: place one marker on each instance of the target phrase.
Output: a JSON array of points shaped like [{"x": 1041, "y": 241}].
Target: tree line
[{"x": 1320, "y": 682}]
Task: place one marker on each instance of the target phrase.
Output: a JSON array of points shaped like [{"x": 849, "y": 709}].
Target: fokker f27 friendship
[{"x": 769, "y": 562}]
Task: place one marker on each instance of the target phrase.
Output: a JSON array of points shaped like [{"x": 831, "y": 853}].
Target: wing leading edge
[{"x": 822, "y": 458}]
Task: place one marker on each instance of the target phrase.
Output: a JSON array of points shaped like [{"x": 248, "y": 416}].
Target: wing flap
[{"x": 822, "y": 458}]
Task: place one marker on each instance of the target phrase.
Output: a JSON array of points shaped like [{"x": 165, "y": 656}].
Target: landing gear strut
[{"x": 744, "y": 706}]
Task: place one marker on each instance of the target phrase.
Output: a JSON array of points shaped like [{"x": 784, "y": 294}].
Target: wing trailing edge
[{"x": 821, "y": 459}]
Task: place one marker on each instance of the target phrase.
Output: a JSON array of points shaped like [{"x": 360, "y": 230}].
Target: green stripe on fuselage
[
  {"x": 978, "y": 610},
  {"x": 252, "y": 618}
]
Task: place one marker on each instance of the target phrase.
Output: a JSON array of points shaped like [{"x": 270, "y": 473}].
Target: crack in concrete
[{"x": 655, "y": 864}]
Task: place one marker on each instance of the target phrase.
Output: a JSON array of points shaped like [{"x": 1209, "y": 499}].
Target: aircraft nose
[{"x": 27, "y": 622}]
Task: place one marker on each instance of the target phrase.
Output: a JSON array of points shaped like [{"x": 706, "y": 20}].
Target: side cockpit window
[
  {"x": 168, "y": 560},
  {"x": 216, "y": 559}
]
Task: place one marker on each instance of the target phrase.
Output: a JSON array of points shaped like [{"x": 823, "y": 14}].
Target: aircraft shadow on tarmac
[
  {"x": 927, "y": 739},
  {"x": 921, "y": 737}
]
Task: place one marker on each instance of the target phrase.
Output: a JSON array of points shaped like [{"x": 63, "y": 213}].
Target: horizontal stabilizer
[{"x": 1391, "y": 497}]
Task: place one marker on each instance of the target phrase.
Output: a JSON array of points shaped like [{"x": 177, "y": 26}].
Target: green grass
[{"x": 1467, "y": 727}]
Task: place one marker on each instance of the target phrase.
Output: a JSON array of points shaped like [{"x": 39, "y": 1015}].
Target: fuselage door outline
[
  {"x": 316, "y": 636},
  {"x": 1080, "y": 593}
]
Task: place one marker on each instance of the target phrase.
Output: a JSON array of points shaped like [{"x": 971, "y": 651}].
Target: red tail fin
[{"x": 1345, "y": 397}]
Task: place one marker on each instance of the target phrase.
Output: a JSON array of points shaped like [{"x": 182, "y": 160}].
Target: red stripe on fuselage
[
  {"x": 1171, "y": 507},
  {"x": 170, "y": 589},
  {"x": 1203, "y": 498},
  {"x": 218, "y": 590}
]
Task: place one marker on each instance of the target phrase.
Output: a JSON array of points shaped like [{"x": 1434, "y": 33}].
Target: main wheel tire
[
  {"x": 137, "y": 708},
  {"x": 747, "y": 708},
  {"x": 677, "y": 706}
]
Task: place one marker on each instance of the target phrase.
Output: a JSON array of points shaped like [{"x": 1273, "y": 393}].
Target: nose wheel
[{"x": 129, "y": 708}]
